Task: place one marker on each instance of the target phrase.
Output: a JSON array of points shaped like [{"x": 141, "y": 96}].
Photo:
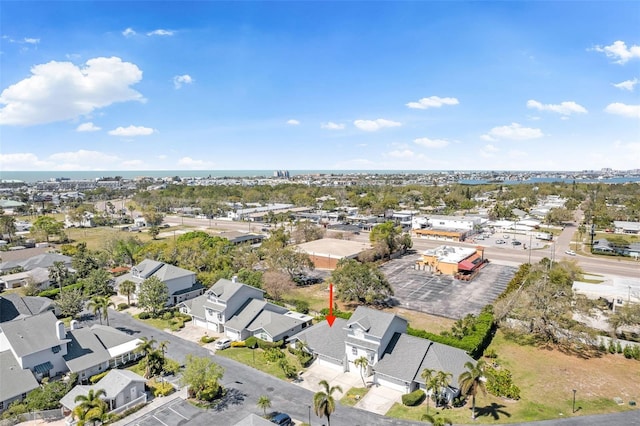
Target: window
[
  {"x": 1, "y": 405},
  {"x": 354, "y": 351},
  {"x": 56, "y": 349}
]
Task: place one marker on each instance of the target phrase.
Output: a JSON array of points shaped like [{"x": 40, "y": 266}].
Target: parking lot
[
  {"x": 442, "y": 295},
  {"x": 176, "y": 413}
]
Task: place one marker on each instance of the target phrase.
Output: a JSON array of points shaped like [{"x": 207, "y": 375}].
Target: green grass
[
  {"x": 353, "y": 395},
  {"x": 591, "y": 281},
  {"x": 173, "y": 324},
  {"x": 255, "y": 358},
  {"x": 137, "y": 368}
]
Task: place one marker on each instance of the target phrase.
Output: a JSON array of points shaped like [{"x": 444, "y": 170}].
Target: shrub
[
  {"x": 263, "y": 344},
  {"x": 207, "y": 339},
  {"x": 95, "y": 378},
  {"x": 144, "y": 315},
  {"x": 301, "y": 306},
  {"x": 251, "y": 342},
  {"x": 122, "y": 306},
  {"x": 502, "y": 384},
  {"x": 414, "y": 398},
  {"x": 631, "y": 352},
  {"x": 273, "y": 354},
  {"x": 167, "y": 315},
  {"x": 238, "y": 344},
  {"x": 161, "y": 389}
]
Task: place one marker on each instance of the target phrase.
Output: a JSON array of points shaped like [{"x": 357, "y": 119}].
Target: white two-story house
[{"x": 181, "y": 283}]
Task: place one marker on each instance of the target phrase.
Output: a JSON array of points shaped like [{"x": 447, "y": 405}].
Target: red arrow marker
[{"x": 331, "y": 318}]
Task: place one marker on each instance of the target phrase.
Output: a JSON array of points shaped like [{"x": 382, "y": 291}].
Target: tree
[
  {"x": 436, "y": 421},
  {"x": 83, "y": 261},
  {"x": 264, "y": 402},
  {"x": 98, "y": 283},
  {"x": 275, "y": 283},
  {"x": 323, "y": 402},
  {"x": 153, "y": 296},
  {"x": 442, "y": 381},
  {"x": 70, "y": 302},
  {"x": 627, "y": 315},
  {"x": 127, "y": 287},
  {"x": 287, "y": 260},
  {"x": 202, "y": 376},
  {"x": 154, "y": 231},
  {"x": 46, "y": 226},
  {"x": 362, "y": 363},
  {"x": 427, "y": 376},
  {"x": 472, "y": 380},
  {"x": 91, "y": 407},
  {"x": 147, "y": 347},
  {"x": 100, "y": 306},
  {"x": 360, "y": 282},
  {"x": 58, "y": 273},
  {"x": 153, "y": 217},
  {"x": 7, "y": 225}
]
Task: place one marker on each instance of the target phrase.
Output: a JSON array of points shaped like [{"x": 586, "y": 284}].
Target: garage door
[
  {"x": 330, "y": 364},
  {"x": 200, "y": 323},
  {"x": 392, "y": 384}
]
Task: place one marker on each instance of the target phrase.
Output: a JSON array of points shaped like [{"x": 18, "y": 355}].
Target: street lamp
[
  {"x": 574, "y": 401},
  {"x": 309, "y": 407}
]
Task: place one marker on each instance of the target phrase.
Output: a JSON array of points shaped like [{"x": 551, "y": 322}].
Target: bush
[
  {"x": 167, "y": 315},
  {"x": 238, "y": 344},
  {"x": 414, "y": 398},
  {"x": 631, "y": 352},
  {"x": 207, "y": 339},
  {"x": 161, "y": 389},
  {"x": 502, "y": 384},
  {"x": 95, "y": 378},
  {"x": 263, "y": 344},
  {"x": 301, "y": 306},
  {"x": 251, "y": 342},
  {"x": 53, "y": 292},
  {"x": 144, "y": 315},
  {"x": 122, "y": 306}
]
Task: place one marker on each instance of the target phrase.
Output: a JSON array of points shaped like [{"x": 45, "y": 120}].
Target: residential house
[
  {"x": 21, "y": 381},
  {"x": 123, "y": 389},
  {"x": 13, "y": 306},
  {"x": 39, "y": 277},
  {"x": 181, "y": 283},
  {"x": 396, "y": 359},
  {"x": 623, "y": 227},
  {"x": 240, "y": 311},
  {"x": 44, "y": 260}
]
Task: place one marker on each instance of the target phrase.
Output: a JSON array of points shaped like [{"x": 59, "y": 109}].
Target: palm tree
[
  {"x": 58, "y": 273},
  {"x": 264, "y": 402},
  {"x": 362, "y": 363},
  {"x": 436, "y": 421},
  {"x": 100, "y": 306},
  {"x": 443, "y": 380},
  {"x": 323, "y": 403},
  {"x": 146, "y": 346},
  {"x": 427, "y": 376},
  {"x": 472, "y": 380},
  {"x": 127, "y": 288},
  {"x": 91, "y": 407}
]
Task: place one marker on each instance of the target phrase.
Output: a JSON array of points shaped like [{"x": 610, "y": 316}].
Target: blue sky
[{"x": 425, "y": 85}]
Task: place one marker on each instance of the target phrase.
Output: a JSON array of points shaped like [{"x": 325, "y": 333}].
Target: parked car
[
  {"x": 570, "y": 252},
  {"x": 516, "y": 243},
  {"x": 222, "y": 343},
  {"x": 282, "y": 419},
  {"x": 499, "y": 241},
  {"x": 505, "y": 236}
]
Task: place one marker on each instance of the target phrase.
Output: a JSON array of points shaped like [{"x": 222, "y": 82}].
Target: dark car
[
  {"x": 282, "y": 419},
  {"x": 516, "y": 242}
]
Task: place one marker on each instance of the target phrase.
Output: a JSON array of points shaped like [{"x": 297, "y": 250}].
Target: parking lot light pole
[
  {"x": 308, "y": 406},
  {"x": 574, "y": 402}
]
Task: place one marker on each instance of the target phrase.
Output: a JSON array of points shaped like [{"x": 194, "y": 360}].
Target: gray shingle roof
[
  {"x": 163, "y": 271},
  {"x": 44, "y": 260},
  {"x": 402, "y": 357},
  {"x": 15, "y": 381},
  {"x": 109, "y": 336},
  {"x": 84, "y": 350},
  {"x": 445, "y": 358},
  {"x": 325, "y": 340},
  {"x": 274, "y": 323},
  {"x": 113, "y": 383},
  {"x": 32, "y": 334},
  {"x": 373, "y": 321},
  {"x": 253, "y": 420},
  {"x": 13, "y": 306},
  {"x": 246, "y": 314},
  {"x": 225, "y": 289}
]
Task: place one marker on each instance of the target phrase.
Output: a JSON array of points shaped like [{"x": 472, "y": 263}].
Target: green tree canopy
[
  {"x": 202, "y": 376},
  {"x": 360, "y": 282},
  {"x": 153, "y": 296}
]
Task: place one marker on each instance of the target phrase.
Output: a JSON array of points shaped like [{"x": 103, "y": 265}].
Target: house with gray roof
[
  {"x": 39, "y": 277},
  {"x": 13, "y": 306},
  {"x": 396, "y": 359},
  {"x": 123, "y": 388},
  {"x": 44, "y": 260},
  {"x": 16, "y": 381},
  {"x": 181, "y": 283}
]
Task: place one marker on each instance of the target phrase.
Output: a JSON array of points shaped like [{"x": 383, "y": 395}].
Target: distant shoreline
[{"x": 471, "y": 177}]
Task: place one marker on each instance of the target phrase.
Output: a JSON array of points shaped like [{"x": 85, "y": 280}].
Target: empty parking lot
[{"x": 442, "y": 295}]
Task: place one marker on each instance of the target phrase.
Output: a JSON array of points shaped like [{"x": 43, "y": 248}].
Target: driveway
[
  {"x": 315, "y": 373},
  {"x": 379, "y": 399}
]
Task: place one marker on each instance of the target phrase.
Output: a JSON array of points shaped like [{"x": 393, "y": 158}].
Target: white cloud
[
  {"x": 619, "y": 51},
  {"x": 162, "y": 157},
  {"x": 491, "y": 148},
  {"x": 87, "y": 127},
  {"x": 564, "y": 108},
  {"x": 83, "y": 157},
  {"x": 179, "y": 80},
  {"x": 59, "y": 91},
  {"x": 129, "y": 32},
  {"x": 332, "y": 126},
  {"x": 160, "y": 32},
  {"x": 432, "y": 102},
  {"x": 431, "y": 143},
  {"x": 375, "y": 125},
  {"x": 514, "y": 131},
  {"x": 401, "y": 153},
  {"x": 132, "y": 131},
  {"x": 632, "y": 111},
  {"x": 626, "y": 85},
  {"x": 293, "y": 122},
  {"x": 191, "y": 164},
  {"x": 30, "y": 40},
  {"x": 22, "y": 161}
]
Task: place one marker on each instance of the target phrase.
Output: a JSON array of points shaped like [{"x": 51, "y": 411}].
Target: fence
[{"x": 47, "y": 415}]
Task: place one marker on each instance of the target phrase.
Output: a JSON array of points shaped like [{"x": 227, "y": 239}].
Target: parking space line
[
  {"x": 186, "y": 418},
  {"x": 159, "y": 420}
]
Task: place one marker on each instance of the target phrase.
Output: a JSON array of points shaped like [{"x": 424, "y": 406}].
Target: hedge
[
  {"x": 95, "y": 378},
  {"x": 238, "y": 344},
  {"x": 52, "y": 293},
  {"x": 207, "y": 339},
  {"x": 122, "y": 306},
  {"x": 144, "y": 315},
  {"x": 474, "y": 344},
  {"x": 263, "y": 344},
  {"x": 251, "y": 342},
  {"x": 414, "y": 398},
  {"x": 338, "y": 314}
]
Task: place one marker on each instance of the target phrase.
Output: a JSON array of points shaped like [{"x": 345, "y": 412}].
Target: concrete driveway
[
  {"x": 379, "y": 399},
  {"x": 315, "y": 373}
]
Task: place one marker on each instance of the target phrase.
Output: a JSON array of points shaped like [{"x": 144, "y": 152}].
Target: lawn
[
  {"x": 317, "y": 295},
  {"x": 353, "y": 395},
  {"x": 96, "y": 237},
  {"x": 547, "y": 378},
  {"x": 255, "y": 358}
]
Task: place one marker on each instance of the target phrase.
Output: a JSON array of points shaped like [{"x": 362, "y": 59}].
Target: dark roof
[
  {"x": 13, "y": 306},
  {"x": 84, "y": 350},
  {"x": 195, "y": 287},
  {"x": 403, "y": 357}
]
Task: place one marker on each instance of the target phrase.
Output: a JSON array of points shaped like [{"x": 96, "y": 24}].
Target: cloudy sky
[{"x": 508, "y": 85}]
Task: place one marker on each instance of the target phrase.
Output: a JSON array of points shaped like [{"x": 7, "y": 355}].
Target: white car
[
  {"x": 222, "y": 343},
  {"x": 570, "y": 252}
]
